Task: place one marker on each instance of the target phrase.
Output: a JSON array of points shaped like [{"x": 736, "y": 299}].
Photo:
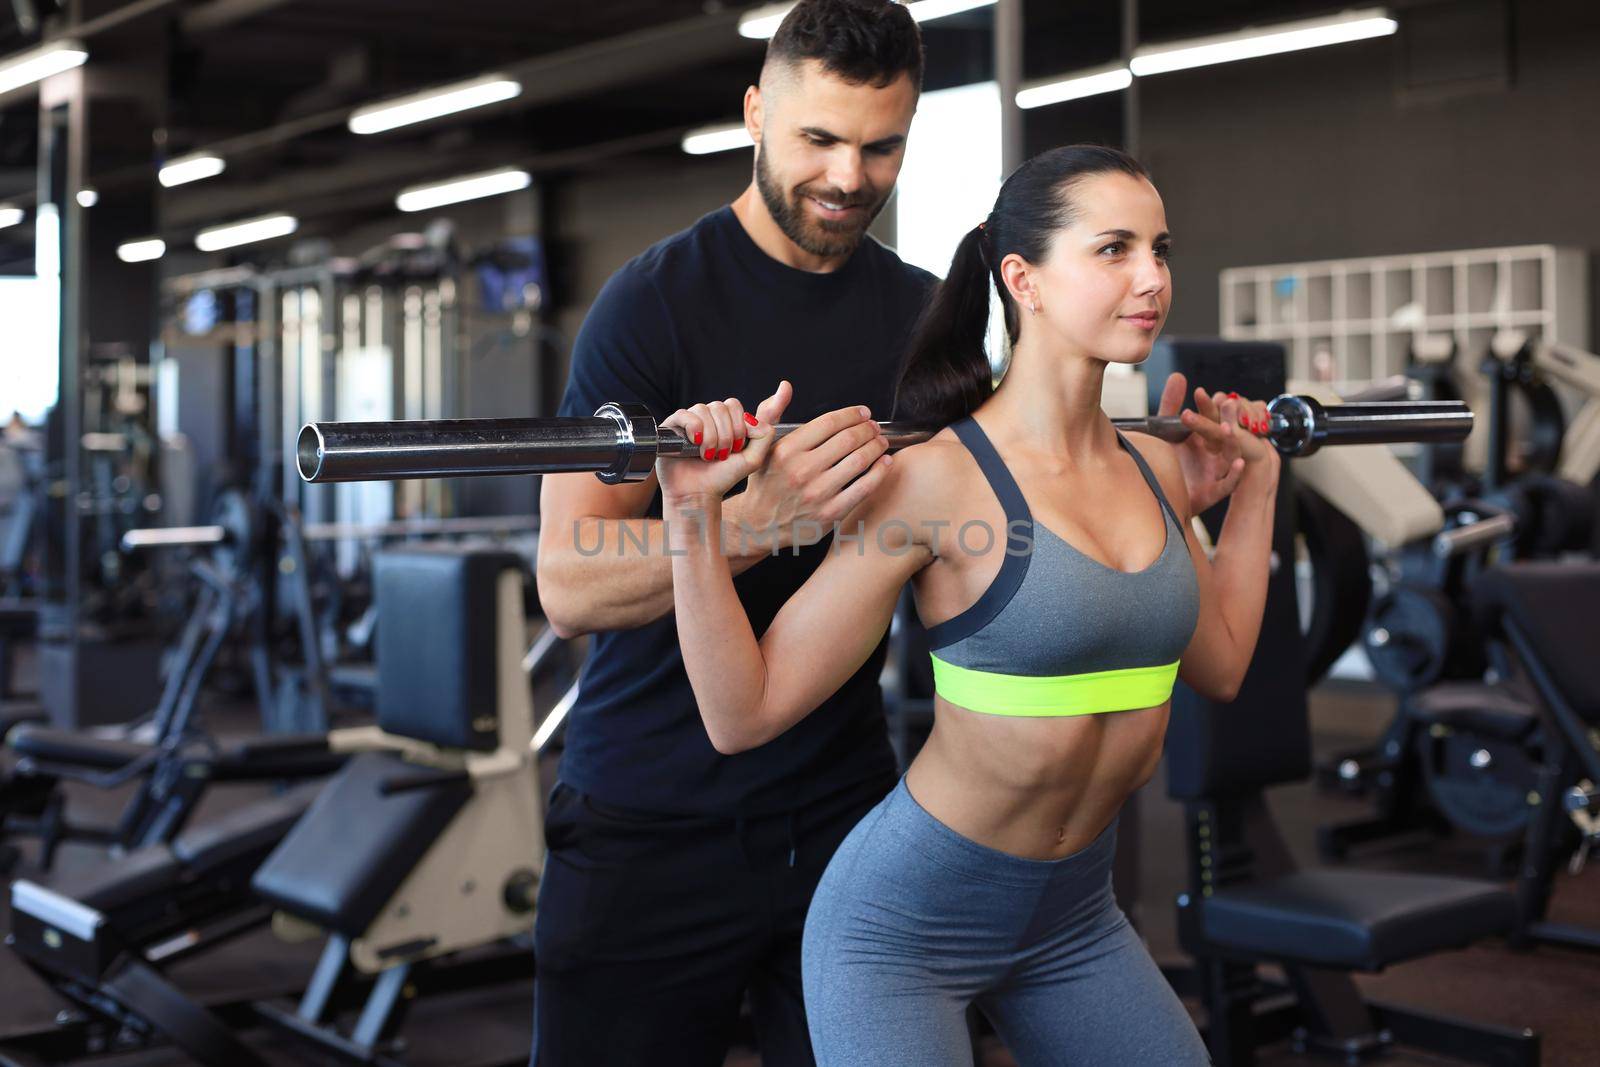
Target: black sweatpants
[{"x": 652, "y": 928}]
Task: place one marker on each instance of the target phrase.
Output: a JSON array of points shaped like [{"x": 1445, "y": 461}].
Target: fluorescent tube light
[
  {"x": 141, "y": 251},
  {"x": 420, "y": 107},
  {"x": 471, "y": 187},
  {"x": 40, "y": 63},
  {"x": 1263, "y": 41},
  {"x": 10, "y": 216},
  {"x": 216, "y": 238},
  {"x": 708, "y": 139},
  {"x": 1110, "y": 79},
  {"x": 190, "y": 169}
]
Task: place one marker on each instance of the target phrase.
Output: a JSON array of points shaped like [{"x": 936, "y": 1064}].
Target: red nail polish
[
  {"x": 711, "y": 453},
  {"x": 738, "y": 445},
  {"x": 698, "y": 436},
  {"x": 723, "y": 454},
  {"x": 751, "y": 419}
]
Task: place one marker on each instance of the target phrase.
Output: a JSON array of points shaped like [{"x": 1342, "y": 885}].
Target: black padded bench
[
  {"x": 338, "y": 868},
  {"x": 436, "y": 654},
  {"x": 50, "y": 745},
  {"x": 171, "y": 780},
  {"x": 102, "y": 937},
  {"x": 1545, "y": 612},
  {"x": 1354, "y": 920},
  {"x": 157, "y": 891},
  {"x": 1247, "y": 903},
  {"x": 383, "y": 828}
]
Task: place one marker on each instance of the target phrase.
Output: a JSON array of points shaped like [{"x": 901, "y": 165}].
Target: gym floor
[{"x": 1550, "y": 990}]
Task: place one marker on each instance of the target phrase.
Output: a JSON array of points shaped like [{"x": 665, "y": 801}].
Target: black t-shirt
[{"x": 701, "y": 316}]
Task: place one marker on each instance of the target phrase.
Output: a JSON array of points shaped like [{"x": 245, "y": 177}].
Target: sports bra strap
[
  {"x": 994, "y": 469},
  {"x": 1150, "y": 478},
  {"x": 1014, "y": 567}
]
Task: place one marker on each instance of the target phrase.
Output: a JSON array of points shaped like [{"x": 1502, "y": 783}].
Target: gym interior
[{"x": 281, "y": 705}]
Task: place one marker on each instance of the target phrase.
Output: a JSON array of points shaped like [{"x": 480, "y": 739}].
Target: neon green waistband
[{"x": 1065, "y": 694}]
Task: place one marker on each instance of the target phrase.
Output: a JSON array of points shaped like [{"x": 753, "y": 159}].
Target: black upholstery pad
[
  {"x": 1363, "y": 920},
  {"x": 1480, "y": 707},
  {"x": 68, "y": 746},
  {"x": 345, "y": 858},
  {"x": 1553, "y": 603}
]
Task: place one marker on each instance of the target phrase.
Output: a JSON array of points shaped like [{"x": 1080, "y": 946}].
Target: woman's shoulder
[
  {"x": 926, "y": 478},
  {"x": 936, "y": 461}
]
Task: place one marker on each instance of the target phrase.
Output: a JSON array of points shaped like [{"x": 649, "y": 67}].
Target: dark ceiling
[{"x": 270, "y": 83}]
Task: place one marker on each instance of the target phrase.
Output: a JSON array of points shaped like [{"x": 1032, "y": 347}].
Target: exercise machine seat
[
  {"x": 1359, "y": 920},
  {"x": 1477, "y": 707},
  {"x": 342, "y": 862},
  {"x": 67, "y": 746},
  {"x": 1552, "y": 603}
]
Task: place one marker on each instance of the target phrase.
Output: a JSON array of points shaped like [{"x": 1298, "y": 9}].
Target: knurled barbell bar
[{"x": 621, "y": 442}]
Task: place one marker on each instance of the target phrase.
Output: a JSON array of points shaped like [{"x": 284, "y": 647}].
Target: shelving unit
[{"x": 1348, "y": 322}]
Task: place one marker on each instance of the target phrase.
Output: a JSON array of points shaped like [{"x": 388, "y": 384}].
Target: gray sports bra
[{"x": 1059, "y": 633}]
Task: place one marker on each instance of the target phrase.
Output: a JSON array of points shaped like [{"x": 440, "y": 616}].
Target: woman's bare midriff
[{"x": 1040, "y": 788}]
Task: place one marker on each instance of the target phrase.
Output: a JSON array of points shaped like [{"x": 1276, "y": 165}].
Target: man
[{"x": 678, "y": 879}]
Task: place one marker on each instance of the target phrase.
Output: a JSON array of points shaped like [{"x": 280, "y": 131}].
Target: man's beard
[{"x": 819, "y": 237}]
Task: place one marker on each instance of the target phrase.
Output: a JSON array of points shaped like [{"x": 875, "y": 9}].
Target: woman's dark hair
[
  {"x": 863, "y": 42},
  {"x": 945, "y": 374}
]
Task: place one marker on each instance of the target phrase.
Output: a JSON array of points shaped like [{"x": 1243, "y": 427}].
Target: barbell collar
[{"x": 638, "y": 442}]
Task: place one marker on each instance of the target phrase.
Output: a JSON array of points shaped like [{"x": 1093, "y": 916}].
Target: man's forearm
[{"x": 616, "y": 574}]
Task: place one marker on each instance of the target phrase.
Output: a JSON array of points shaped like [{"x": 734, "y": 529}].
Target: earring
[{"x": 1034, "y": 307}]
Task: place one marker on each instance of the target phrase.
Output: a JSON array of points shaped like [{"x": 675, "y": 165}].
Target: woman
[{"x": 1053, "y": 563}]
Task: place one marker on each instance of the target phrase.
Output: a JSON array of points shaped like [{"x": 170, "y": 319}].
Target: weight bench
[
  {"x": 1544, "y": 612},
  {"x": 1247, "y": 904},
  {"x": 173, "y": 777},
  {"x": 104, "y": 938},
  {"x": 430, "y": 840}
]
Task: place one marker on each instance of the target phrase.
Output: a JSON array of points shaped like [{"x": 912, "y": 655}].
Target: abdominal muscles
[{"x": 1040, "y": 787}]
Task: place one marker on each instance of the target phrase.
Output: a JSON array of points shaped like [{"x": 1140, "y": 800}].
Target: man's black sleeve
[{"x": 625, "y": 350}]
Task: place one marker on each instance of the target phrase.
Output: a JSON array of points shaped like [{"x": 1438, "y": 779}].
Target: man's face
[{"x": 829, "y": 153}]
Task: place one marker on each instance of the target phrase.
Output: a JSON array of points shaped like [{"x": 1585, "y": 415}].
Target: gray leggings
[{"x": 912, "y": 923}]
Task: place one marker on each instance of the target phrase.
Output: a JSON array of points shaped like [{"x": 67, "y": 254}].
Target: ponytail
[{"x": 946, "y": 374}]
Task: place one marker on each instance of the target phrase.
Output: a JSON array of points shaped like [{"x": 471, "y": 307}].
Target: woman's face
[{"x": 1105, "y": 287}]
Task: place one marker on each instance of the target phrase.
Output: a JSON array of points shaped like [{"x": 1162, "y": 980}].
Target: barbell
[{"x": 621, "y": 442}]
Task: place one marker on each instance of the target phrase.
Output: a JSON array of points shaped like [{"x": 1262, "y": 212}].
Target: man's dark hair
[{"x": 863, "y": 42}]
